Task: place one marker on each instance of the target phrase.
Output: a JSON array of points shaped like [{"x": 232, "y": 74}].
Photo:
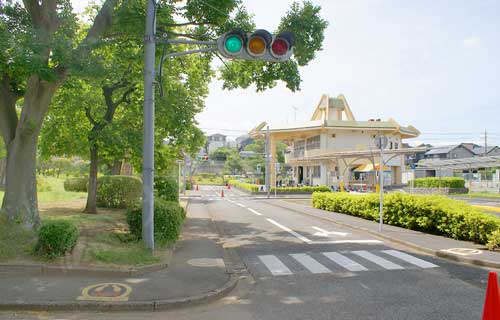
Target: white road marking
[
  {"x": 344, "y": 261},
  {"x": 298, "y": 236},
  {"x": 411, "y": 259},
  {"x": 348, "y": 241},
  {"x": 241, "y": 205},
  {"x": 310, "y": 264},
  {"x": 253, "y": 211},
  {"x": 324, "y": 233},
  {"x": 274, "y": 265},
  {"x": 386, "y": 264}
]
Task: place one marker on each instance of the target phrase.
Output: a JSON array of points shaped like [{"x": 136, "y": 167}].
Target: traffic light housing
[
  {"x": 259, "y": 45},
  {"x": 202, "y": 158}
]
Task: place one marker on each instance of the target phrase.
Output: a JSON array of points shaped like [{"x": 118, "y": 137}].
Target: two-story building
[{"x": 333, "y": 147}]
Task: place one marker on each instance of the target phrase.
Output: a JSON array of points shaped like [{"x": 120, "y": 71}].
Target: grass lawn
[
  {"x": 104, "y": 239},
  {"x": 482, "y": 195},
  {"x": 52, "y": 189}
]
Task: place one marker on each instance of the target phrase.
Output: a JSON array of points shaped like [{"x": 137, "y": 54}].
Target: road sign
[
  {"x": 278, "y": 166},
  {"x": 381, "y": 141},
  {"x": 179, "y": 161}
]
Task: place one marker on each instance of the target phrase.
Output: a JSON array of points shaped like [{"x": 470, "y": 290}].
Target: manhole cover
[
  {"x": 106, "y": 292},
  {"x": 206, "y": 262},
  {"x": 463, "y": 251}
]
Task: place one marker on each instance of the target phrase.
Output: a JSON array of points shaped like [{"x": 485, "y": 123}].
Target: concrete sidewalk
[
  {"x": 199, "y": 271},
  {"x": 462, "y": 251}
]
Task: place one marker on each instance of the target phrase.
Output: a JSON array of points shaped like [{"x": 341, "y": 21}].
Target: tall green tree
[
  {"x": 42, "y": 44},
  {"x": 39, "y": 47}
]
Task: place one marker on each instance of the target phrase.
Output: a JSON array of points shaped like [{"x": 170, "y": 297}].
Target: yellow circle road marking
[{"x": 109, "y": 291}]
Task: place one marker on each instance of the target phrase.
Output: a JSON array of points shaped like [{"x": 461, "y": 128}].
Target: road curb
[
  {"x": 47, "y": 270},
  {"x": 152, "y": 305},
  {"x": 147, "y": 305},
  {"x": 437, "y": 253}
]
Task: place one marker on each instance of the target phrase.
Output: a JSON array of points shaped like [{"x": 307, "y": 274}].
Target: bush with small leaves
[
  {"x": 427, "y": 213},
  {"x": 168, "y": 218},
  {"x": 118, "y": 191},
  {"x": 56, "y": 238},
  {"x": 167, "y": 188},
  {"x": 76, "y": 184}
]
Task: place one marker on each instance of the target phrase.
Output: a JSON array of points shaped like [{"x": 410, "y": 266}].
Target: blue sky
[{"x": 434, "y": 64}]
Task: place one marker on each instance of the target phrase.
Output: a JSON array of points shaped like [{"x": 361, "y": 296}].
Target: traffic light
[
  {"x": 202, "y": 158},
  {"x": 257, "y": 45}
]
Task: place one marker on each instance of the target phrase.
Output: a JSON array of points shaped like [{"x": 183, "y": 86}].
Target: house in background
[
  {"x": 243, "y": 141},
  {"x": 215, "y": 141},
  {"x": 459, "y": 151},
  {"x": 326, "y": 149}
]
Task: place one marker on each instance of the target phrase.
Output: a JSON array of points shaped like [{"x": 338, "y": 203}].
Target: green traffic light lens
[{"x": 233, "y": 44}]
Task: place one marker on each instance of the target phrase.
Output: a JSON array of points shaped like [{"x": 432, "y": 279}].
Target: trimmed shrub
[
  {"x": 245, "y": 186},
  {"x": 168, "y": 218},
  {"x": 493, "y": 240},
  {"x": 189, "y": 185},
  {"x": 445, "y": 182},
  {"x": 76, "y": 184},
  {"x": 56, "y": 238},
  {"x": 118, "y": 191},
  {"x": 427, "y": 213},
  {"x": 167, "y": 188},
  {"x": 304, "y": 189}
]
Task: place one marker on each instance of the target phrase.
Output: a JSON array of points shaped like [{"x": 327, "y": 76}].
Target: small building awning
[{"x": 369, "y": 168}]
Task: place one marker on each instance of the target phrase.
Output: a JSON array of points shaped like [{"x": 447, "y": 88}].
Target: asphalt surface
[{"x": 301, "y": 267}]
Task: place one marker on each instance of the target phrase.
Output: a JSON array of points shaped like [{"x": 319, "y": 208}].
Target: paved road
[{"x": 300, "y": 267}]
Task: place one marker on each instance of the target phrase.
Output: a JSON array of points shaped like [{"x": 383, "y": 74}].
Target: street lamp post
[
  {"x": 381, "y": 142},
  {"x": 149, "y": 128}
]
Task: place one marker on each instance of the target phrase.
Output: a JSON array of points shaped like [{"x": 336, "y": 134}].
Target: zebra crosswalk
[{"x": 332, "y": 262}]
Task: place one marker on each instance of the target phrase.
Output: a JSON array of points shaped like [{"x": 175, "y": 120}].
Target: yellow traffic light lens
[{"x": 256, "y": 46}]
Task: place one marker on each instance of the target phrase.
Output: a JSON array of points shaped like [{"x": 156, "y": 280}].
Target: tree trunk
[
  {"x": 21, "y": 138},
  {"x": 91, "y": 206},
  {"x": 117, "y": 167},
  {"x": 20, "y": 199}
]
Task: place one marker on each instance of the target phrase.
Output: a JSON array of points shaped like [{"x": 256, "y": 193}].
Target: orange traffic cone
[
  {"x": 492, "y": 303},
  {"x": 222, "y": 193},
  {"x": 196, "y": 187}
]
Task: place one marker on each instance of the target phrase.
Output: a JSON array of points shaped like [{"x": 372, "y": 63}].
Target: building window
[
  {"x": 396, "y": 145},
  {"x": 298, "y": 149},
  {"x": 316, "y": 172},
  {"x": 313, "y": 143},
  {"x": 390, "y": 145}
]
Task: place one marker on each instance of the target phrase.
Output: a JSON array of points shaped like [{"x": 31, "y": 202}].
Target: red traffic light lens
[{"x": 279, "y": 47}]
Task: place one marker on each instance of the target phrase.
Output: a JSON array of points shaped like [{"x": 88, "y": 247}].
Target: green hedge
[
  {"x": 76, "y": 184},
  {"x": 446, "y": 182},
  {"x": 304, "y": 189},
  {"x": 118, "y": 191},
  {"x": 245, "y": 186},
  {"x": 167, "y": 188},
  {"x": 168, "y": 218},
  {"x": 55, "y": 238},
  {"x": 427, "y": 213}
]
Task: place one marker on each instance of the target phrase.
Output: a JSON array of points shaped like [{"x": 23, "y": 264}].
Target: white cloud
[{"x": 471, "y": 42}]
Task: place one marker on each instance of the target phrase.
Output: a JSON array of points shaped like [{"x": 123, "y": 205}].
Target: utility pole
[
  {"x": 295, "y": 112},
  {"x": 381, "y": 178},
  {"x": 485, "y": 143},
  {"x": 179, "y": 178},
  {"x": 149, "y": 128},
  {"x": 381, "y": 142},
  {"x": 268, "y": 162}
]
